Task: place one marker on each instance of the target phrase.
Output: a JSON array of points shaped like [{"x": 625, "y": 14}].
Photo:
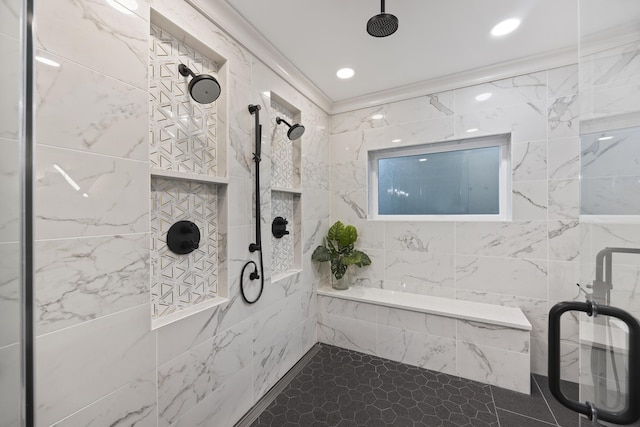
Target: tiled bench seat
[{"x": 483, "y": 342}]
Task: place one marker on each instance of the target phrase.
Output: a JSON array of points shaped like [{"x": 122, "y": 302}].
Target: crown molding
[{"x": 231, "y": 22}]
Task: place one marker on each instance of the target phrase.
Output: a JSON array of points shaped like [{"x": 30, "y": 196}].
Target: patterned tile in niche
[
  {"x": 282, "y": 249},
  {"x": 343, "y": 387},
  {"x": 281, "y": 149},
  {"x": 183, "y": 132},
  {"x": 179, "y": 281}
]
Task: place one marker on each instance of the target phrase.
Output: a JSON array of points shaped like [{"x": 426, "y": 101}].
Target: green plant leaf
[
  {"x": 348, "y": 235},
  {"x": 352, "y": 258},
  {"x": 321, "y": 254},
  {"x": 364, "y": 259},
  {"x": 338, "y": 268},
  {"x": 335, "y": 231}
]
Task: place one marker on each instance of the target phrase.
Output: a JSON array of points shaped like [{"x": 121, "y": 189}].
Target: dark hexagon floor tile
[{"x": 340, "y": 387}]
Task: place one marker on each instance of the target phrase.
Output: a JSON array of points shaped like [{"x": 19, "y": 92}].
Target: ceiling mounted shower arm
[{"x": 381, "y": 6}]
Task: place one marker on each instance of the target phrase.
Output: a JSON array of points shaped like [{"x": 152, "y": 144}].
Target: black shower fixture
[
  {"x": 295, "y": 131},
  {"x": 203, "y": 88},
  {"x": 383, "y": 24}
]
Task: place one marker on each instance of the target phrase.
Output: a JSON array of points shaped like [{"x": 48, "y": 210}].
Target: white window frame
[{"x": 502, "y": 141}]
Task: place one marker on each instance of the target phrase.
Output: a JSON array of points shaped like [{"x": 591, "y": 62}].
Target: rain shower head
[
  {"x": 295, "y": 131},
  {"x": 203, "y": 88},
  {"x": 383, "y": 24}
]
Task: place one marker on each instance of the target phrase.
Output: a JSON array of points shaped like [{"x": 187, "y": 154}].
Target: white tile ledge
[
  {"x": 184, "y": 176},
  {"x": 182, "y": 314},
  {"x": 511, "y": 317}
]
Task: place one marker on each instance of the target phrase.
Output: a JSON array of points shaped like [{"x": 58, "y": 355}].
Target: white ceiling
[{"x": 436, "y": 39}]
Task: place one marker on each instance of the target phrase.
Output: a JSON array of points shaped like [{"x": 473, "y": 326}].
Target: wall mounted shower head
[
  {"x": 203, "y": 88},
  {"x": 295, "y": 131},
  {"x": 382, "y": 25}
]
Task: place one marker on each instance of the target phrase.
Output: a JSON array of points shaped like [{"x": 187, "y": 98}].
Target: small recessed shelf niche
[
  {"x": 286, "y": 252},
  {"x": 188, "y": 159}
]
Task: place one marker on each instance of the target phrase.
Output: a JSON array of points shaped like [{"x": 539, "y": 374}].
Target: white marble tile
[
  {"x": 493, "y": 366},
  {"x": 315, "y": 204},
  {"x": 10, "y": 293},
  {"x": 529, "y": 200},
  {"x": 371, "y": 234},
  {"x": 563, "y": 277},
  {"x": 347, "y": 333},
  {"x": 507, "y": 276},
  {"x": 564, "y": 199},
  {"x": 617, "y": 156},
  {"x": 277, "y": 342},
  {"x": 108, "y": 116},
  {"x": 224, "y": 406},
  {"x": 564, "y": 158},
  {"x": 10, "y": 384},
  {"x": 539, "y": 358},
  {"x": 562, "y": 81},
  {"x": 10, "y": 13},
  {"x": 420, "y": 289},
  {"x": 529, "y": 160},
  {"x": 349, "y": 185},
  {"x": 564, "y": 117},
  {"x": 417, "y": 349},
  {"x": 515, "y": 90},
  {"x": 10, "y": 190},
  {"x": 422, "y": 132},
  {"x": 346, "y": 308},
  {"x": 78, "y": 365},
  {"x": 564, "y": 240},
  {"x": 525, "y": 122},
  {"x": 569, "y": 362},
  {"x": 419, "y": 268},
  {"x": 240, "y": 148},
  {"x": 518, "y": 239},
  {"x": 133, "y": 404},
  {"x": 80, "y": 194},
  {"x": 353, "y": 146},
  {"x": 423, "y": 323},
  {"x": 421, "y": 108},
  {"x": 10, "y": 89},
  {"x": 352, "y": 121},
  {"x": 535, "y": 310},
  {"x": 419, "y": 236},
  {"x": 186, "y": 380},
  {"x": 119, "y": 35},
  {"x": 611, "y": 196},
  {"x": 309, "y": 332},
  {"x": 617, "y": 67},
  {"x": 615, "y": 235},
  {"x": 82, "y": 279},
  {"x": 315, "y": 174},
  {"x": 495, "y": 336}
]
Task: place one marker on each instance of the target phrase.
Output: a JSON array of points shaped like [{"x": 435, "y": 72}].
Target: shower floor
[{"x": 341, "y": 387}]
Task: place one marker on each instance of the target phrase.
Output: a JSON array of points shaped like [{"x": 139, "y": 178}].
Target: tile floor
[{"x": 340, "y": 387}]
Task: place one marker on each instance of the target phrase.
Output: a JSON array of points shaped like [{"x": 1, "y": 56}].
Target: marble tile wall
[
  {"x": 487, "y": 353},
  {"x": 10, "y": 379},
  {"x": 526, "y": 262},
  {"x": 98, "y": 361}
]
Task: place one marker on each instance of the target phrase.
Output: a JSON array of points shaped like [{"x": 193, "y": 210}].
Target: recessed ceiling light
[
  {"x": 397, "y": 140},
  {"x": 377, "y": 116},
  {"x": 472, "y": 130},
  {"x": 605, "y": 138},
  {"x": 505, "y": 27},
  {"x": 345, "y": 73},
  {"x": 424, "y": 159},
  {"x": 47, "y": 61},
  {"x": 484, "y": 96}
]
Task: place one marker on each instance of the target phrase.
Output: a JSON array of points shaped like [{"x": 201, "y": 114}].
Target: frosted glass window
[{"x": 461, "y": 178}]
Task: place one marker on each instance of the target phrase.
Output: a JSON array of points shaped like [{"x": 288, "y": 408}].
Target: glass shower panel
[{"x": 609, "y": 92}]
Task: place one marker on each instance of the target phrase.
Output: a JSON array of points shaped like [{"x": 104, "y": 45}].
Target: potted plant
[{"x": 339, "y": 249}]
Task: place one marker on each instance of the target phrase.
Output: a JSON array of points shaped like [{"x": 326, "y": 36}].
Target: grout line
[
  {"x": 263, "y": 403},
  {"x": 525, "y": 416},
  {"x": 545, "y": 399},
  {"x": 495, "y": 407}
]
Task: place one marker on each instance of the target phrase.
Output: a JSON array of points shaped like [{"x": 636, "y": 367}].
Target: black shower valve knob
[
  {"x": 279, "y": 227},
  {"x": 183, "y": 237}
]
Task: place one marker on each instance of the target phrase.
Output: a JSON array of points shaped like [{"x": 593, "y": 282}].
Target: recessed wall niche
[
  {"x": 286, "y": 252},
  {"x": 188, "y": 159}
]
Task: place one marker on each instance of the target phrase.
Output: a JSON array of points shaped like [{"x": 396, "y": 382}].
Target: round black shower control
[
  {"x": 279, "y": 227},
  {"x": 183, "y": 237}
]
